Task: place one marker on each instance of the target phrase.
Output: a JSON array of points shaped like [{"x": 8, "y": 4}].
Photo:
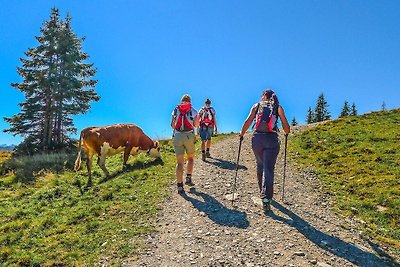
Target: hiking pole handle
[
  {"x": 284, "y": 168},
  {"x": 237, "y": 168}
]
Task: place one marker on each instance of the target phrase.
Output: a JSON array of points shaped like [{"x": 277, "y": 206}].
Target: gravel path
[{"x": 202, "y": 228}]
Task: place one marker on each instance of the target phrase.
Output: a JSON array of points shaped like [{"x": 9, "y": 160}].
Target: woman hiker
[
  {"x": 265, "y": 142},
  {"x": 184, "y": 120}
]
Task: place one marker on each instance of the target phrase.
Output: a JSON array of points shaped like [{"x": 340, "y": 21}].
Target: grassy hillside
[
  {"x": 358, "y": 161},
  {"x": 55, "y": 221}
]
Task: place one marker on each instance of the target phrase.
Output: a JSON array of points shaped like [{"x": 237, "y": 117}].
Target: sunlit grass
[
  {"x": 358, "y": 161},
  {"x": 54, "y": 220}
]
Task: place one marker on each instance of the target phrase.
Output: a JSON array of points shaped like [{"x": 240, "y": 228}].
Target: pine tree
[
  {"x": 353, "y": 111},
  {"x": 57, "y": 84},
  {"x": 321, "y": 109},
  {"x": 345, "y": 110},
  {"x": 310, "y": 116},
  {"x": 294, "y": 122}
]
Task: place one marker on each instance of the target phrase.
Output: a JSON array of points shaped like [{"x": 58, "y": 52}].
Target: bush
[{"x": 26, "y": 168}]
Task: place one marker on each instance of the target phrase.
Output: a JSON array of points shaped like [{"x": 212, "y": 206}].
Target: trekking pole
[
  {"x": 284, "y": 169},
  {"x": 237, "y": 168}
]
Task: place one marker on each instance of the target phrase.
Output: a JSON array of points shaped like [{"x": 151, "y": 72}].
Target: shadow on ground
[
  {"x": 225, "y": 164},
  {"x": 330, "y": 243},
  {"x": 217, "y": 212}
]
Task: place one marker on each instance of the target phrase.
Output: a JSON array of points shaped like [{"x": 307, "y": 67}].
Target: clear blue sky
[{"x": 149, "y": 53}]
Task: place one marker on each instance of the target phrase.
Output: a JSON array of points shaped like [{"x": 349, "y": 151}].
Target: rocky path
[{"x": 202, "y": 228}]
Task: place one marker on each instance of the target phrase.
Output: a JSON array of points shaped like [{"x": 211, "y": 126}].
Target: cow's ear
[{"x": 156, "y": 144}]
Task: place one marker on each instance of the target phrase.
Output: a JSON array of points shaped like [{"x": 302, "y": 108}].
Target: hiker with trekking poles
[
  {"x": 265, "y": 142},
  {"x": 207, "y": 128},
  {"x": 184, "y": 120}
]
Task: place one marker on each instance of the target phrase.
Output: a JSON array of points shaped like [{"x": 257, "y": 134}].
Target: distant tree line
[
  {"x": 321, "y": 112},
  {"x": 57, "y": 84}
]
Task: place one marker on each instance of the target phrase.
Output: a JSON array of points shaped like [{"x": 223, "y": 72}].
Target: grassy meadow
[
  {"x": 358, "y": 161},
  {"x": 52, "y": 219}
]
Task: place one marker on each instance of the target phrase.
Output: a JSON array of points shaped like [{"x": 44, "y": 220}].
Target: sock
[
  {"x": 179, "y": 184},
  {"x": 189, "y": 175},
  {"x": 208, "y": 150},
  {"x": 203, "y": 151}
]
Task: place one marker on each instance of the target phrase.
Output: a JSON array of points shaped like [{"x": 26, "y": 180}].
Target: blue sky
[{"x": 149, "y": 53}]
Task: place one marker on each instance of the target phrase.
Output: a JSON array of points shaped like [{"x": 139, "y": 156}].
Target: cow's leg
[
  {"x": 102, "y": 163},
  {"x": 89, "y": 160},
  {"x": 127, "y": 152}
]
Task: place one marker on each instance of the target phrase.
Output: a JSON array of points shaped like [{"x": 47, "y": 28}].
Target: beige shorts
[{"x": 184, "y": 141}]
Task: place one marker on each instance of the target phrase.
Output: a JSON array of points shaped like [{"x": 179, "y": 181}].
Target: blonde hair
[{"x": 186, "y": 98}]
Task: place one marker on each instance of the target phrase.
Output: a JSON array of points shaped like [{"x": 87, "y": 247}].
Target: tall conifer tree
[
  {"x": 321, "y": 109},
  {"x": 57, "y": 84}
]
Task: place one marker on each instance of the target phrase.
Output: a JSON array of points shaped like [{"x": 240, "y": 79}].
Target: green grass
[
  {"x": 55, "y": 220},
  {"x": 358, "y": 161}
]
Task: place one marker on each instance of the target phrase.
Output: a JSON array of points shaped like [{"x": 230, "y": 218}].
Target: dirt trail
[{"x": 201, "y": 228}]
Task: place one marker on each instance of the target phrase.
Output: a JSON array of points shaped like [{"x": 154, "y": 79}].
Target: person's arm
[
  {"x": 196, "y": 119},
  {"x": 248, "y": 121},
  {"x": 285, "y": 124},
  {"x": 173, "y": 119},
  {"x": 173, "y": 123},
  {"x": 215, "y": 123}
]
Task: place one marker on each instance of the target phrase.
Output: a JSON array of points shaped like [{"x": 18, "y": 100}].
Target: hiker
[
  {"x": 265, "y": 143},
  {"x": 208, "y": 127},
  {"x": 184, "y": 120}
]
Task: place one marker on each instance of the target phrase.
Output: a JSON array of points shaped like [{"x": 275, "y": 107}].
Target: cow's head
[{"x": 154, "y": 152}]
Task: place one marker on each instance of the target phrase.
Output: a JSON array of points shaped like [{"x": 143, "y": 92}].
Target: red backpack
[
  {"x": 207, "y": 117},
  {"x": 182, "y": 123},
  {"x": 267, "y": 116}
]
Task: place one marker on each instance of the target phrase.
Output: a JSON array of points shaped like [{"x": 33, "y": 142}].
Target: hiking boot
[
  {"x": 203, "y": 156},
  {"x": 181, "y": 190},
  {"x": 208, "y": 155},
  {"x": 189, "y": 181},
  {"x": 266, "y": 204}
]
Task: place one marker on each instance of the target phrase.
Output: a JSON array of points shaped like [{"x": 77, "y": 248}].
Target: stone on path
[
  {"x": 232, "y": 196},
  {"x": 257, "y": 201}
]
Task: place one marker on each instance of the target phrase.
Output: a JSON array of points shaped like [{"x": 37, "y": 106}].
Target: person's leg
[
  {"x": 203, "y": 136},
  {"x": 210, "y": 131},
  {"x": 190, "y": 150},
  {"x": 258, "y": 149},
  {"x": 180, "y": 160},
  {"x": 270, "y": 156}
]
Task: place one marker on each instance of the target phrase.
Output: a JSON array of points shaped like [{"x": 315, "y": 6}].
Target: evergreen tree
[
  {"x": 321, "y": 109},
  {"x": 57, "y": 84},
  {"x": 353, "y": 111},
  {"x": 310, "y": 116},
  {"x": 345, "y": 110},
  {"x": 294, "y": 122}
]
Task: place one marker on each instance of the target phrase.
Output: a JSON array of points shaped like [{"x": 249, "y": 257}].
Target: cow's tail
[{"x": 78, "y": 159}]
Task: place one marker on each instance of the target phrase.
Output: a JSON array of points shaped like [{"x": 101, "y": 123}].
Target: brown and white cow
[{"x": 110, "y": 140}]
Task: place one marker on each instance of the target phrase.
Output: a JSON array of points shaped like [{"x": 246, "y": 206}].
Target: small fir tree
[
  {"x": 353, "y": 111},
  {"x": 321, "y": 109},
  {"x": 294, "y": 121},
  {"x": 345, "y": 110},
  {"x": 310, "y": 116}
]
